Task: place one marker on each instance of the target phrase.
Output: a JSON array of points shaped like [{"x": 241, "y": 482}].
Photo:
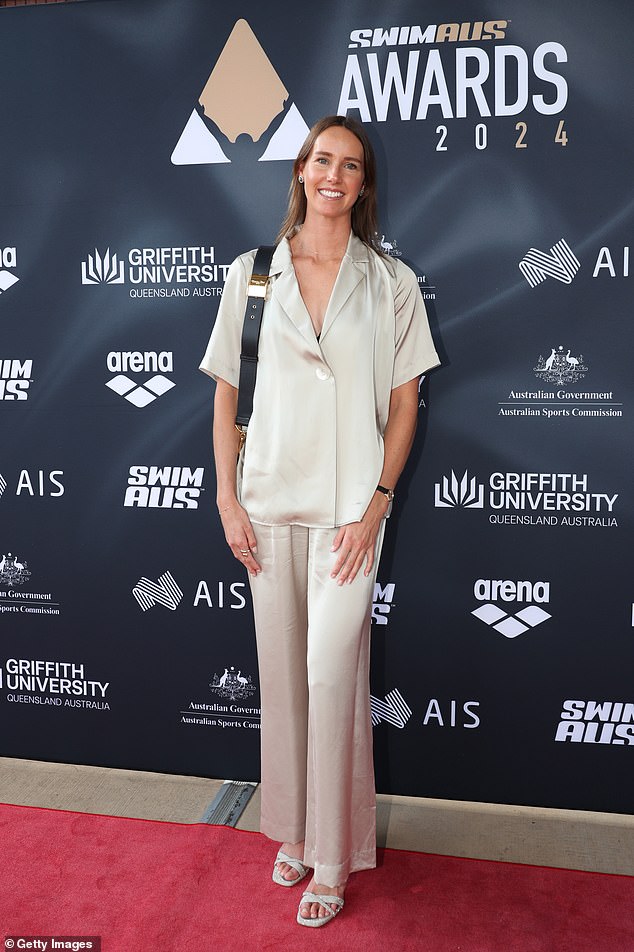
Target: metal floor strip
[{"x": 229, "y": 803}]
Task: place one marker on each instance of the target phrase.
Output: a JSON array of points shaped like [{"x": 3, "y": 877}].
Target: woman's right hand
[{"x": 240, "y": 536}]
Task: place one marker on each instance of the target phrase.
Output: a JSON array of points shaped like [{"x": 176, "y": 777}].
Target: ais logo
[{"x": 244, "y": 110}]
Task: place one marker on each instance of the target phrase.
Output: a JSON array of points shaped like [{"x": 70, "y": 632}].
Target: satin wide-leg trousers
[{"x": 313, "y": 642}]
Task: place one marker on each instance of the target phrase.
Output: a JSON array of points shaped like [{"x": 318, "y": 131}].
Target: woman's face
[{"x": 333, "y": 173}]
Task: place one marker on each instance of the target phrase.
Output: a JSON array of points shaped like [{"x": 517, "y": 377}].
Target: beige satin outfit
[{"x": 312, "y": 461}]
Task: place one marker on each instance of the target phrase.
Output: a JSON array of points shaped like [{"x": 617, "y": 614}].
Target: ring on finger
[{"x": 245, "y": 552}]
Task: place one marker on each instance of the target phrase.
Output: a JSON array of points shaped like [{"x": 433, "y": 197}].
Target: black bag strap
[{"x": 251, "y": 333}]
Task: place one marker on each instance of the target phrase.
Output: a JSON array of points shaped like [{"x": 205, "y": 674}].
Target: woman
[{"x": 344, "y": 340}]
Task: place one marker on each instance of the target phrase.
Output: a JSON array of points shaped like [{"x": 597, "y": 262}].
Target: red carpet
[{"x": 167, "y": 887}]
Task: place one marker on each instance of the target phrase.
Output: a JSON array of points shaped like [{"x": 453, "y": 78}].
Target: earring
[
  {"x": 300, "y": 178},
  {"x": 362, "y": 191}
]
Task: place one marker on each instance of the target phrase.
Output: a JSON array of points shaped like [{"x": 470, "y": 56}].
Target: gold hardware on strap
[
  {"x": 257, "y": 285},
  {"x": 243, "y": 436}
]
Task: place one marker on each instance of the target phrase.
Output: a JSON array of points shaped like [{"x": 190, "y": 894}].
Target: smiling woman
[{"x": 344, "y": 339}]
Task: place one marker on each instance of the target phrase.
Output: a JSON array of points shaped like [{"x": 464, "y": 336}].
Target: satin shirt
[{"x": 314, "y": 449}]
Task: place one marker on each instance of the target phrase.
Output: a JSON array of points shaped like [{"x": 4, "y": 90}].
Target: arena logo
[
  {"x": 14, "y": 600},
  {"x": 41, "y": 483},
  {"x": 530, "y": 498},
  {"x": 164, "y": 487},
  {"x": 15, "y": 378},
  {"x": 393, "y": 710},
  {"x": 596, "y": 722},
  {"x": 140, "y": 395},
  {"x": 383, "y": 602},
  {"x": 8, "y": 259},
  {"x": 451, "y": 714},
  {"x": 560, "y": 263},
  {"x": 492, "y": 591},
  {"x": 182, "y": 266},
  {"x": 244, "y": 110},
  {"x": 451, "y": 81},
  {"x": 53, "y": 683}
]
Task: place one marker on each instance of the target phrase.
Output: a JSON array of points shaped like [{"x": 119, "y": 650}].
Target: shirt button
[{"x": 322, "y": 374}]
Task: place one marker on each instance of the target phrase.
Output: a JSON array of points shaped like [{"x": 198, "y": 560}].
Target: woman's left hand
[{"x": 356, "y": 541}]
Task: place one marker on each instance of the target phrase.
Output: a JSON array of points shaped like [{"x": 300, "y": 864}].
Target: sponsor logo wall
[{"x": 502, "y": 619}]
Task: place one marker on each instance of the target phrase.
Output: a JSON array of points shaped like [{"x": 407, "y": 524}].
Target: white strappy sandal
[
  {"x": 326, "y": 902},
  {"x": 291, "y": 861}
]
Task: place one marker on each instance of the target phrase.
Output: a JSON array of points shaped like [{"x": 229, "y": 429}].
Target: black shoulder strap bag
[{"x": 251, "y": 337}]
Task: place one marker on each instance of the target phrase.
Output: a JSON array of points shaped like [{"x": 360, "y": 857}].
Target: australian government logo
[
  {"x": 15, "y": 596},
  {"x": 561, "y": 370},
  {"x": 234, "y": 688},
  {"x": 529, "y": 499},
  {"x": 244, "y": 112},
  {"x": 52, "y": 684},
  {"x": 165, "y": 272}
]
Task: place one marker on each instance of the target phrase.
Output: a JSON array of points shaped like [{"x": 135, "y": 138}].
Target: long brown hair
[{"x": 364, "y": 214}]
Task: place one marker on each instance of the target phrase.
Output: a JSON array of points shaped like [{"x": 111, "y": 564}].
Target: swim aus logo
[
  {"x": 596, "y": 722},
  {"x": 244, "y": 112},
  {"x": 479, "y": 77},
  {"x": 164, "y": 487},
  {"x": 443, "y": 33},
  {"x": 15, "y": 379}
]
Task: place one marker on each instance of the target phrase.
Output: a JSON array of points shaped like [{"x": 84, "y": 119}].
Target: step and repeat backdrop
[{"x": 145, "y": 145}]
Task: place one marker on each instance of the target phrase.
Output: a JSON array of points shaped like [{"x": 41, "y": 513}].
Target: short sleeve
[
  {"x": 415, "y": 353},
  {"x": 222, "y": 356}
]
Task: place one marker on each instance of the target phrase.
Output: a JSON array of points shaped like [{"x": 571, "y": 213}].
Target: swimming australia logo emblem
[
  {"x": 560, "y": 368},
  {"x": 244, "y": 110},
  {"x": 560, "y": 263},
  {"x": 106, "y": 269},
  {"x": 232, "y": 685},
  {"x": 12, "y": 572}
]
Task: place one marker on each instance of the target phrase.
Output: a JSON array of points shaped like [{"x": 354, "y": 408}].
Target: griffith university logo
[
  {"x": 560, "y": 263},
  {"x": 492, "y": 591},
  {"x": 465, "y": 493},
  {"x": 244, "y": 110},
  {"x": 12, "y": 572},
  {"x": 8, "y": 259},
  {"x": 139, "y": 395},
  {"x": 102, "y": 269},
  {"x": 165, "y": 592},
  {"x": 232, "y": 685},
  {"x": 560, "y": 368}
]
